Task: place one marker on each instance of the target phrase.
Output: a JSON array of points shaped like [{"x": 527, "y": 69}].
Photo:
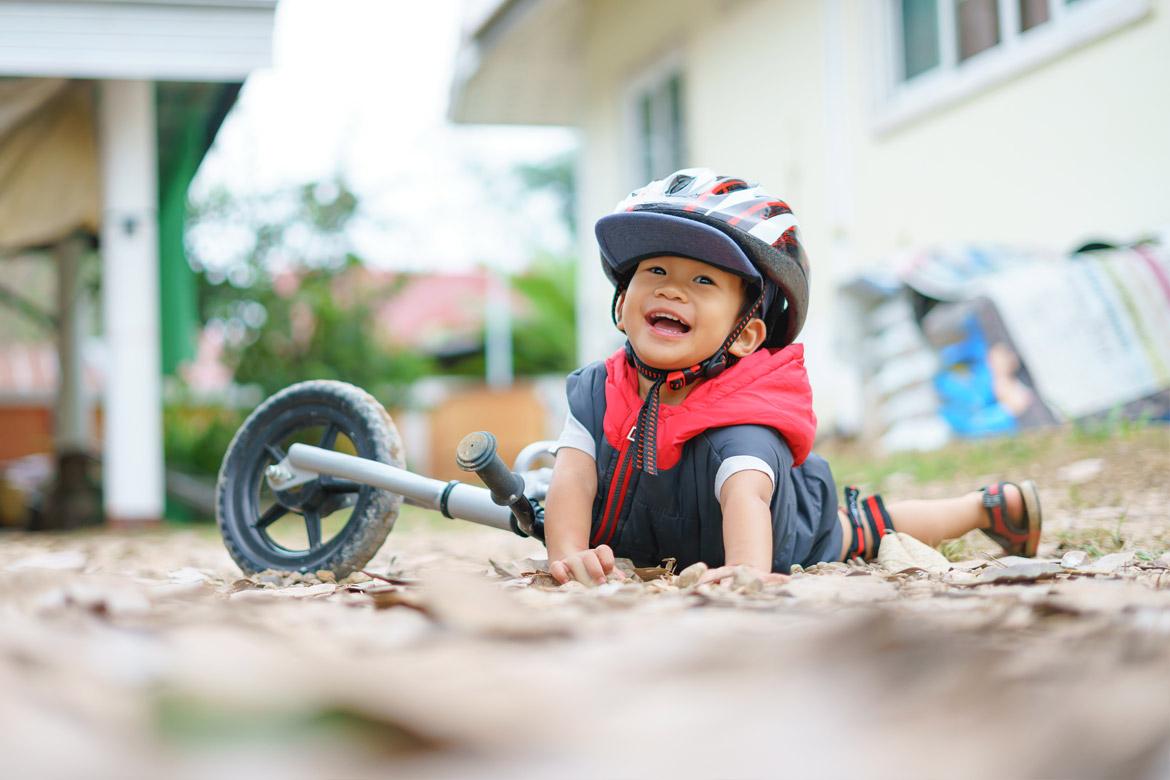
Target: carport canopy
[{"x": 106, "y": 109}]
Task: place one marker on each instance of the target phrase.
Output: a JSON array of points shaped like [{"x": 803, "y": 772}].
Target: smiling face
[{"x": 677, "y": 312}]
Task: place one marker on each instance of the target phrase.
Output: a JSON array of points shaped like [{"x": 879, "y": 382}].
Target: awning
[{"x": 48, "y": 162}]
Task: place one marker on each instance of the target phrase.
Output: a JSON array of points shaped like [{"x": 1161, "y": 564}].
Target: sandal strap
[{"x": 995, "y": 505}]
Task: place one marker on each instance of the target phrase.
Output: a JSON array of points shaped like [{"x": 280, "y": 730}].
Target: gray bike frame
[{"x": 464, "y": 502}]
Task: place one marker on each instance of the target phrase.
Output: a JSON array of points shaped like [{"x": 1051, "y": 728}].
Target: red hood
[{"x": 768, "y": 387}]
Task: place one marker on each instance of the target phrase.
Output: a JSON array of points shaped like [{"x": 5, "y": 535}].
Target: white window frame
[
  {"x": 649, "y": 78},
  {"x": 1068, "y": 27}
]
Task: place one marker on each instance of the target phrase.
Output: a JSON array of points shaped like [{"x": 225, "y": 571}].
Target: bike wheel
[{"x": 326, "y": 523}]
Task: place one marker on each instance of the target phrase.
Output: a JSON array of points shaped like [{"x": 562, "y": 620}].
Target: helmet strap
[{"x": 646, "y": 429}]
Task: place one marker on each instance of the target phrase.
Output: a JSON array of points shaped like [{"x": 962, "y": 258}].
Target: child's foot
[{"x": 1013, "y": 514}]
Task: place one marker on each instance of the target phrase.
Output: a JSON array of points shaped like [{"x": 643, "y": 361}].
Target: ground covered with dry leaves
[{"x": 133, "y": 655}]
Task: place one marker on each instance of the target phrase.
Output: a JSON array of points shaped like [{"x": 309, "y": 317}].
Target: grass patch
[
  {"x": 1015, "y": 456},
  {"x": 1095, "y": 541}
]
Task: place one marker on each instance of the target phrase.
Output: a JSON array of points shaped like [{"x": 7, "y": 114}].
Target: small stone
[
  {"x": 796, "y": 569},
  {"x": 270, "y": 578},
  {"x": 746, "y": 577},
  {"x": 1081, "y": 470},
  {"x": 357, "y": 578},
  {"x": 1074, "y": 559},
  {"x": 325, "y": 575},
  {"x": 690, "y": 576}
]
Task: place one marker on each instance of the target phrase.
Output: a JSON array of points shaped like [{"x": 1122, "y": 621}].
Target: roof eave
[{"x": 522, "y": 66}]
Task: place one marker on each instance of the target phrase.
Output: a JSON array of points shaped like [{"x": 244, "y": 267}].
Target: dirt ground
[{"x": 133, "y": 655}]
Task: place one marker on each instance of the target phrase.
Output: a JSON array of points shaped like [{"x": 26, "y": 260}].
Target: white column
[
  {"x": 498, "y": 331},
  {"x": 132, "y": 474},
  {"x": 837, "y": 382},
  {"x": 71, "y": 425}
]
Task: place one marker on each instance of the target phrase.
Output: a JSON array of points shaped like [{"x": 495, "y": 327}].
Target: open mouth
[{"x": 667, "y": 324}]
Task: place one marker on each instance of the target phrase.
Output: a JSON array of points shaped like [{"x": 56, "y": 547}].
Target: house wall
[
  {"x": 753, "y": 106},
  {"x": 1072, "y": 149},
  {"x": 786, "y": 93}
]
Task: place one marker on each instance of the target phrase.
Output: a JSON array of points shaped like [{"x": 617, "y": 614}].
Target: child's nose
[{"x": 670, "y": 290}]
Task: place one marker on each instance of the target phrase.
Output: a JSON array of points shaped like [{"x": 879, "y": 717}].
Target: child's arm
[
  {"x": 568, "y": 516},
  {"x": 747, "y": 526}
]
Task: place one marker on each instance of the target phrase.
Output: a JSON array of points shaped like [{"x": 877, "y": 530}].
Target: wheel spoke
[
  {"x": 313, "y": 528},
  {"x": 276, "y": 453},
  {"x": 330, "y": 437},
  {"x": 270, "y": 516},
  {"x": 338, "y": 485}
]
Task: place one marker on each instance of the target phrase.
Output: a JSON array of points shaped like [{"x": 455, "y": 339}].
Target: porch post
[
  {"x": 132, "y": 474},
  {"x": 72, "y": 429}
]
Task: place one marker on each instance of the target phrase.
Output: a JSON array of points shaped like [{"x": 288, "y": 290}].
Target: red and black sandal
[{"x": 1017, "y": 536}]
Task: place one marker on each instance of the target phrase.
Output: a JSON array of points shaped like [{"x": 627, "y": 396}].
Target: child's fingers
[
  {"x": 608, "y": 562},
  {"x": 577, "y": 566},
  {"x": 594, "y": 568},
  {"x": 559, "y": 572},
  {"x": 717, "y": 574}
]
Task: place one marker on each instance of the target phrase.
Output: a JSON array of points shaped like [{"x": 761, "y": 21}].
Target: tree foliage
[{"x": 291, "y": 300}]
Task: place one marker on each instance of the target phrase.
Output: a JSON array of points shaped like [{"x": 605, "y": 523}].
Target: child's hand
[
  {"x": 589, "y": 567},
  {"x": 728, "y": 573}
]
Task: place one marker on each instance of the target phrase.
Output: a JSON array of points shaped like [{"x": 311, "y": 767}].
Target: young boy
[{"x": 693, "y": 442}]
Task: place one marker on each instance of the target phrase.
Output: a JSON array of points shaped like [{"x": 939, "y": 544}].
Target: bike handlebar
[{"x": 477, "y": 452}]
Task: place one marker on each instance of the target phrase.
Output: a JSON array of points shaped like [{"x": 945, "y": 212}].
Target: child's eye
[
  {"x": 657, "y": 269},
  {"x": 704, "y": 280}
]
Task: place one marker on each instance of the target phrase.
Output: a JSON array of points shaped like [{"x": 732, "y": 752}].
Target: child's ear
[
  {"x": 617, "y": 317},
  {"x": 751, "y": 339}
]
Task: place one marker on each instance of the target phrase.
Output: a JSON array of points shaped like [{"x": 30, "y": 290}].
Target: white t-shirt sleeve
[
  {"x": 574, "y": 435},
  {"x": 738, "y": 463}
]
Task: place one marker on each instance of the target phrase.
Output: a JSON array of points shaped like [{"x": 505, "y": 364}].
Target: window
[
  {"x": 945, "y": 49},
  {"x": 919, "y": 20},
  {"x": 977, "y": 24},
  {"x": 660, "y": 125}
]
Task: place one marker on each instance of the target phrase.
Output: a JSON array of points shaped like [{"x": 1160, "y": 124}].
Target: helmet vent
[
  {"x": 729, "y": 185},
  {"x": 679, "y": 184}
]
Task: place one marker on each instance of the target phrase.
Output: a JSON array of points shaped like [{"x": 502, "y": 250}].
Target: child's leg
[{"x": 932, "y": 521}]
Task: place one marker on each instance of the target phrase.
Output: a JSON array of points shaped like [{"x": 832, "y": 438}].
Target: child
[{"x": 693, "y": 442}]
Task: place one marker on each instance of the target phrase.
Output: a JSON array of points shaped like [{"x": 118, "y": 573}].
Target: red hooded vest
[{"x": 768, "y": 387}]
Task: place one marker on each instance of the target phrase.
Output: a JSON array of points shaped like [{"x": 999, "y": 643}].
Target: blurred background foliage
[{"x": 292, "y": 301}]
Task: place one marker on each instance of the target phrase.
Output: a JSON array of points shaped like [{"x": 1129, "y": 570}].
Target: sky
[{"x": 360, "y": 88}]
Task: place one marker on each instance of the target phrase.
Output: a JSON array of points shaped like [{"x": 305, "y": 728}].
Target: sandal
[{"x": 1019, "y": 536}]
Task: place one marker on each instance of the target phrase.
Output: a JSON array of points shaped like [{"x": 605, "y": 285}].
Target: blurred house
[
  {"x": 886, "y": 125},
  {"x": 106, "y": 110}
]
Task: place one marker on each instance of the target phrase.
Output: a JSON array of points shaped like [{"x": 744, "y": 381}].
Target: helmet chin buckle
[{"x": 715, "y": 364}]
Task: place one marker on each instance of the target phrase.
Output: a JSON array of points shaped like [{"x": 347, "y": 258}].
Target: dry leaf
[
  {"x": 1109, "y": 564},
  {"x": 386, "y": 597},
  {"x": 472, "y": 604},
  {"x": 648, "y": 573},
  {"x": 900, "y": 552},
  {"x": 66, "y": 560},
  {"x": 1023, "y": 572}
]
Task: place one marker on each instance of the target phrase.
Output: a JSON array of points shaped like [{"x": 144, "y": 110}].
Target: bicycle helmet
[{"x": 721, "y": 220}]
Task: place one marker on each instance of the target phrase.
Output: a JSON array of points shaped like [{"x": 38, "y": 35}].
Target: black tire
[{"x": 248, "y": 511}]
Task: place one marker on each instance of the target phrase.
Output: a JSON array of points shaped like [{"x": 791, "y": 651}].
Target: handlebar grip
[{"x": 477, "y": 452}]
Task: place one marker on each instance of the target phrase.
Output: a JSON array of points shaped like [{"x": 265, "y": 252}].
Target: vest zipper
[{"x": 616, "y": 489}]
